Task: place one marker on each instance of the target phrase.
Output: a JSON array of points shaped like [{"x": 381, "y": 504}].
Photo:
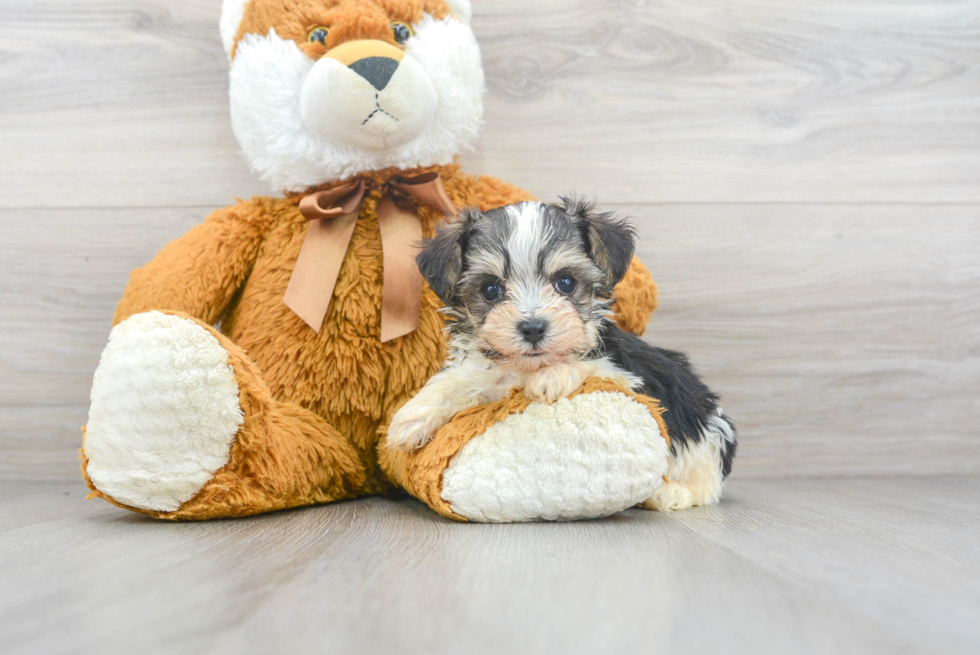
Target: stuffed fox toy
[{"x": 255, "y": 362}]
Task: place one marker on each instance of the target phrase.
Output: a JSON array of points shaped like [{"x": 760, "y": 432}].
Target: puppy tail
[{"x": 721, "y": 431}]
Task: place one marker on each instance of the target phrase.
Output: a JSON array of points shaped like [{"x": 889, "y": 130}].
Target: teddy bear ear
[
  {"x": 463, "y": 9},
  {"x": 232, "y": 12}
]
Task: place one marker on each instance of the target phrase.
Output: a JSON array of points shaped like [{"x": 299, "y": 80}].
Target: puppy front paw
[
  {"x": 411, "y": 429},
  {"x": 554, "y": 382}
]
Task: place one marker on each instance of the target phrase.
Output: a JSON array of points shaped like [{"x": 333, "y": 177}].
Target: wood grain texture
[
  {"x": 119, "y": 103},
  {"x": 844, "y": 339},
  {"x": 749, "y": 101},
  {"x": 811, "y": 566},
  {"x": 123, "y": 102}
]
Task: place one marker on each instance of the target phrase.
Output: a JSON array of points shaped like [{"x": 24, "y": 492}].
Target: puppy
[{"x": 528, "y": 290}]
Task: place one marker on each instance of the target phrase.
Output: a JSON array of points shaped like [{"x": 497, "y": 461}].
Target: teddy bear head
[{"x": 325, "y": 89}]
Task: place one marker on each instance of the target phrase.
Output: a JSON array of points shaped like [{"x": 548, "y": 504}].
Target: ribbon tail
[
  {"x": 401, "y": 304},
  {"x": 317, "y": 268}
]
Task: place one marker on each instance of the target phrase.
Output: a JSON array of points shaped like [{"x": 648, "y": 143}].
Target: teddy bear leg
[
  {"x": 182, "y": 426},
  {"x": 598, "y": 452}
]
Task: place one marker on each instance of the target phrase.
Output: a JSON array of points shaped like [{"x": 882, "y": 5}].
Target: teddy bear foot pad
[
  {"x": 165, "y": 412},
  {"x": 583, "y": 457}
]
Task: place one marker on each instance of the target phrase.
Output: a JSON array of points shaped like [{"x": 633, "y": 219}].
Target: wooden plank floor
[{"x": 816, "y": 566}]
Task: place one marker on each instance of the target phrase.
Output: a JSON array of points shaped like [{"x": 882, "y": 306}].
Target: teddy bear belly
[
  {"x": 343, "y": 371},
  {"x": 588, "y": 456}
]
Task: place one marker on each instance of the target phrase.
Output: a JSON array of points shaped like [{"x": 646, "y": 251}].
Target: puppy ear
[
  {"x": 611, "y": 240},
  {"x": 441, "y": 259}
]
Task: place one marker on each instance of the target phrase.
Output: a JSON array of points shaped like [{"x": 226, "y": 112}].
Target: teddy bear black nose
[
  {"x": 376, "y": 70},
  {"x": 533, "y": 330}
]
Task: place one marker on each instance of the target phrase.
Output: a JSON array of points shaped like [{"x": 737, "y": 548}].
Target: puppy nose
[
  {"x": 533, "y": 330},
  {"x": 375, "y": 61}
]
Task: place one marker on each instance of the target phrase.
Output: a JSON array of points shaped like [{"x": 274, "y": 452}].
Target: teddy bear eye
[
  {"x": 319, "y": 35},
  {"x": 566, "y": 284},
  {"x": 402, "y": 32}
]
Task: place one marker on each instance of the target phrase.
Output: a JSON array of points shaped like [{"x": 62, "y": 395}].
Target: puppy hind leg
[
  {"x": 693, "y": 479},
  {"x": 697, "y": 471},
  {"x": 670, "y": 497}
]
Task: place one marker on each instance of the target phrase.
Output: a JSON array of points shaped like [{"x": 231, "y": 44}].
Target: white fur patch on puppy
[
  {"x": 164, "y": 412},
  {"x": 561, "y": 380},
  {"x": 556, "y": 381},
  {"x": 584, "y": 457},
  {"x": 696, "y": 467},
  {"x": 670, "y": 497},
  {"x": 461, "y": 385}
]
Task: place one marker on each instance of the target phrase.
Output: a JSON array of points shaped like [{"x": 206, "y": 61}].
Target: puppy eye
[
  {"x": 319, "y": 35},
  {"x": 566, "y": 284},
  {"x": 491, "y": 291},
  {"x": 402, "y": 32}
]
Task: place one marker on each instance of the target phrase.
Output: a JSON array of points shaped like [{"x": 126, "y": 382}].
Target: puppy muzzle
[{"x": 368, "y": 94}]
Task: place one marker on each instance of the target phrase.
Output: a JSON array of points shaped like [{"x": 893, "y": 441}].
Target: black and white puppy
[{"x": 528, "y": 290}]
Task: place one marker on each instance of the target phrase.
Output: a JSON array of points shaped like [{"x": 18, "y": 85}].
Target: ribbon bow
[{"x": 333, "y": 216}]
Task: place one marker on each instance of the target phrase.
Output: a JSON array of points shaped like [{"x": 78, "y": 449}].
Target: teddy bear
[{"x": 254, "y": 362}]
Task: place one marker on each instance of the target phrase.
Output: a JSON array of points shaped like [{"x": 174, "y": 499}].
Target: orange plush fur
[{"x": 314, "y": 403}]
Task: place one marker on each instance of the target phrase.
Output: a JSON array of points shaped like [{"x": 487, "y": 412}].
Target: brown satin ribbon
[{"x": 333, "y": 215}]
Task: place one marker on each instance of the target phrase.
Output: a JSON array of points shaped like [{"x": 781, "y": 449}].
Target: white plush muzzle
[{"x": 343, "y": 106}]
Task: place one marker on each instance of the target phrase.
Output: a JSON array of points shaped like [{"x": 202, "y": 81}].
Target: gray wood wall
[{"x": 805, "y": 175}]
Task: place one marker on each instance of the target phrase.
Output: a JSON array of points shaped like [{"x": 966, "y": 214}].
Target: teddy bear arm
[
  {"x": 198, "y": 273},
  {"x": 636, "y": 299}
]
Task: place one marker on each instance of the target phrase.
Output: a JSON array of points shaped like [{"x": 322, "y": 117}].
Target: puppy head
[
  {"x": 325, "y": 89},
  {"x": 528, "y": 285}
]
